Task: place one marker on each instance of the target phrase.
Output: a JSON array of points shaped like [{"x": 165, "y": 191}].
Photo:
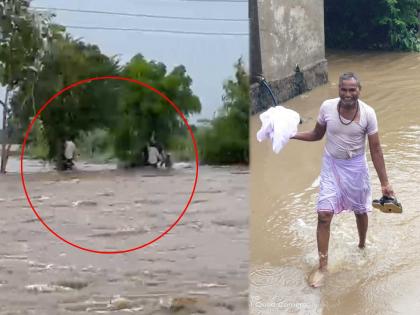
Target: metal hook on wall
[{"x": 263, "y": 82}]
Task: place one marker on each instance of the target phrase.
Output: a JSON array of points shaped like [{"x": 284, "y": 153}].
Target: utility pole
[{"x": 254, "y": 41}]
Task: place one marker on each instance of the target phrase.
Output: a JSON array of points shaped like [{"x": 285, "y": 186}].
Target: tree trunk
[
  {"x": 59, "y": 162},
  {"x": 4, "y": 151},
  {"x": 9, "y": 147},
  {"x": 3, "y": 146}
]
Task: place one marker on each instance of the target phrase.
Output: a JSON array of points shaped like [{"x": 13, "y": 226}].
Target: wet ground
[{"x": 199, "y": 267}]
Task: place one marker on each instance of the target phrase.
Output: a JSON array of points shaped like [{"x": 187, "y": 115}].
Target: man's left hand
[{"x": 387, "y": 191}]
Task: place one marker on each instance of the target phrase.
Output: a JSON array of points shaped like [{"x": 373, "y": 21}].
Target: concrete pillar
[{"x": 292, "y": 48}]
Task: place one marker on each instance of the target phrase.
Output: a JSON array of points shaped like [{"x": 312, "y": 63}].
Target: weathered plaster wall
[{"x": 291, "y": 33}]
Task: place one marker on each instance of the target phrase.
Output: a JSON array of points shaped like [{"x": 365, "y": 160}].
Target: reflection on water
[{"x": 284, "y": 187}]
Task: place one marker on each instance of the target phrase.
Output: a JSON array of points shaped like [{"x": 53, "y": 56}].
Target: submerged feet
[{"x": 317, "y": 277}]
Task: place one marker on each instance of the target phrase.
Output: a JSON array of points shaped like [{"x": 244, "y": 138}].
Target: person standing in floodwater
[
  {"x": 154, "y": 157},
  {"x": 69, "y": 153},
  {"x": 345, "y": 182}
]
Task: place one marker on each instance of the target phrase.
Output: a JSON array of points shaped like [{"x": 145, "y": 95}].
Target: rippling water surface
[{"x": 201, "y": 265}]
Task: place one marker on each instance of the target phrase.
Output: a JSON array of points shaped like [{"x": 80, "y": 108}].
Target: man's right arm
[{"x": 314, "y": 135}]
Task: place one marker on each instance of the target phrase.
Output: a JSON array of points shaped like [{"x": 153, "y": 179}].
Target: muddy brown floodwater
[
  {"x": 383, "y": 279},
  {"x": 200, "y": 266}
]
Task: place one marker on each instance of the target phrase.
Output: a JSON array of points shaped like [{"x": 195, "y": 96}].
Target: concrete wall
[{"x": 291, "y": 33}]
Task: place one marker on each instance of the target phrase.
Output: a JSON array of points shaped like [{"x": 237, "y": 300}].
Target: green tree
[
  {"x": 83, "y": 108},
  {"x": 372, "y": 24},
  {"x": 145, "y": 114},
  {"x": 21, "y": 47},
  {"x": 226, "y": 140}
]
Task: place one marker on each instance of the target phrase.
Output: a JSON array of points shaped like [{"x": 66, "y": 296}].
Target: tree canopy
[
  {"x": 226, "y": 140},
  {"x": 372, "y": 24},
  {"x": 22, "y": 36},
  {"x": 82, "y": 108},
  {"x": 145, "y": 114}
]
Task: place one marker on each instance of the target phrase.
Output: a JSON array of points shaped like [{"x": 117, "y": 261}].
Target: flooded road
[
  {"x": 284, "y": 187},
  {"x": 200, "y": 266}
]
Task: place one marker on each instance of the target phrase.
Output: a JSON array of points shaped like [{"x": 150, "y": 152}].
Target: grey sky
[{"x": 208, "y": 59}]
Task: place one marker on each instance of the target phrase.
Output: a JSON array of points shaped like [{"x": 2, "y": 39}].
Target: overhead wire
[
  {"x": 142, "y": 15},
  {"x": 215, "y": 1},
  {"x": 154, "y": 30},
  {"x": 148, "y": 30}
]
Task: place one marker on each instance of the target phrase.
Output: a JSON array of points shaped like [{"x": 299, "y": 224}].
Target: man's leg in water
[
  {"x": 316, "y": 278},
  {"x": 323, "y": 237},
  {"x": 362, "y": 226}
]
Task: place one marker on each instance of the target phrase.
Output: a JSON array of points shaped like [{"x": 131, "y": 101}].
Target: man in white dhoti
[{"x": 345, "y": 182}]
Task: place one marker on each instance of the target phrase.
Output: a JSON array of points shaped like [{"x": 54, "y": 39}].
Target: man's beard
[{"x": 349, "y": 103}]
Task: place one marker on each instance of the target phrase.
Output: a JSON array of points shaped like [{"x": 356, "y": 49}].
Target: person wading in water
[
  {"x": 344, "y": 179},
  {"x": 69, "y": 154}
]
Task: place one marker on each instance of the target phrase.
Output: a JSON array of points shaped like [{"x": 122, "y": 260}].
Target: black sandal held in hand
[{"x": 387, "y": 205}]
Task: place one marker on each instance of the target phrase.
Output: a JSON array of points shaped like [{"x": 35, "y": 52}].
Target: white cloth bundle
[{"x": 279, "y": 124}]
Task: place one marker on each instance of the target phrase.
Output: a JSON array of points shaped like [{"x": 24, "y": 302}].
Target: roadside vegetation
[{"x": 110, "y": 120}]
